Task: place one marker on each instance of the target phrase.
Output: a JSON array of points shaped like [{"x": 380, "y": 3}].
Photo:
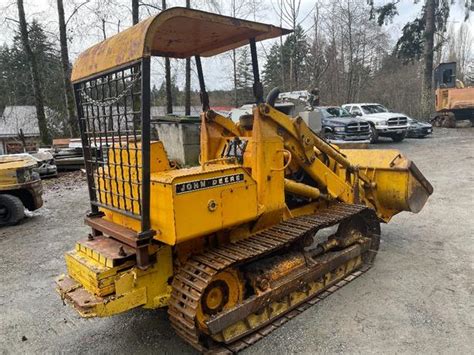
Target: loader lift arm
[{"x": 339, "y": 177}]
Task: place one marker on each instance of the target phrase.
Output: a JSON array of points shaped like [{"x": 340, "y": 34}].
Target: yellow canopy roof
[{"x": 177, "y": 33}]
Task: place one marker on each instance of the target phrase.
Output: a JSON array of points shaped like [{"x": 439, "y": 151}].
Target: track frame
[{"x": 196, "y": 274}]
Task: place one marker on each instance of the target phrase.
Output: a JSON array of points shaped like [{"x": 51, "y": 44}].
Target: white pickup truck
[{"x": 383, "y": 123}]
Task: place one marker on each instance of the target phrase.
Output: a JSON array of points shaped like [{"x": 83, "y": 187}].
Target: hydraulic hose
[{"x": 272, "y": 96}]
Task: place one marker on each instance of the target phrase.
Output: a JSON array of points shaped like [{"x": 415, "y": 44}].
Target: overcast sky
[{"x": 85, "y": 30}]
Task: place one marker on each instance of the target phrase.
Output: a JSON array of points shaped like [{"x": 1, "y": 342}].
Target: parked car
[
  {"x": 338, "y": 125},
  {"x": 418, "y": 129},
  {"x": 383, "y": 123}
]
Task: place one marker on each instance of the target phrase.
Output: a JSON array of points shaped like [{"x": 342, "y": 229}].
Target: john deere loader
[{"x": 272, "y": 220}]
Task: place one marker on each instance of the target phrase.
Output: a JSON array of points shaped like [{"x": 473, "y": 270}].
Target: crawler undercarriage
[{"x": 229, "y": 297}]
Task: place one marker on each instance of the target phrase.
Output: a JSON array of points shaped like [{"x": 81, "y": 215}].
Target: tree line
[{"x": 341, "y": 47}]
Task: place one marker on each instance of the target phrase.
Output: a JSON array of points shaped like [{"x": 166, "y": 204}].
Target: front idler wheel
[{"x": 224, "y": 292}]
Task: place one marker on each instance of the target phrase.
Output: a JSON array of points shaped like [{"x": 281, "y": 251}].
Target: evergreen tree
[
  {"x": 272, "y": 70},
  {"x": 418, "y": 39},
  {"x": 154, "y": 95},
  {"x": 244, "y": 76},
  {"x": 49, "y": 60},
  {"x": 16, "y": 81},
  {"x": 159, "y": 97},
  {"x": 295, "y": 54},
  {"x": 35, "y": 78},
  {"x": 288, "y": 62}
]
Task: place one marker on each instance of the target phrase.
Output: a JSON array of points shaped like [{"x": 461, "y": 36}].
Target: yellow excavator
[
  {"x": 453, "y": 101},
  {"x": 272, "y": 220}
]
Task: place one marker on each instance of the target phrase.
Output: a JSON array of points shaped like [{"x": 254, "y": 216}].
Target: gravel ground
[{"x": 418, "y": 298}]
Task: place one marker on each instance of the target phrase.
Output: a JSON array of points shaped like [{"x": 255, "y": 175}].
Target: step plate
[
  {"x": 83, "y": 301},
  {"x": 106, "y": 251}
]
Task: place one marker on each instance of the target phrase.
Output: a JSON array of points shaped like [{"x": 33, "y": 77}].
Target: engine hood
[
  {"x": 339, "y": 121},
  {"x": 16, "y": 161},
  {"x": 383, "y": 116}
]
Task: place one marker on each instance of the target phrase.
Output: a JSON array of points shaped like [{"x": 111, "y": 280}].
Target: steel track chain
[
  {"x": 254, "y": 337},
  {"x": 192, "y": 278}
]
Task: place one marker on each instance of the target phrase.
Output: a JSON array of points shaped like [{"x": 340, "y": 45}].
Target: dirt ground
[{"x": 418, "y": 298}]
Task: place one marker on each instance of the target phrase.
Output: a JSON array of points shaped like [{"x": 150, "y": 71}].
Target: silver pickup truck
[{"x": 383, "y": 123}]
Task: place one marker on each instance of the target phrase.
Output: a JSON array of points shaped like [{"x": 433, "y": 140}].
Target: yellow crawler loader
[{"x": 272, "y": 220}]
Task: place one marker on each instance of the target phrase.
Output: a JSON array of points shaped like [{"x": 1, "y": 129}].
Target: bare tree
[
  {"x": 105, "y": 16},
  {"x": 317, "y": 63},
  {"x": 240, "y": 9},
  {"x": 459, "y": 49},
  {"x": 418, "y": 38},
  {"x": 68, "y": 94},
  {"x": 281, "y": 47},
  {"x": 169, "y": 98},
  {"x": 38, "y": 94},
  {"x": 187, "y": 85},
  {"x": 289, "y": 15},
  {"x": 234, "y": 59},
  {"x": 356, "y": 47},
  {"x": 135, "y": 12},
  {"x": 289, "y": 11},
  {"x": 428, "y": 55}
]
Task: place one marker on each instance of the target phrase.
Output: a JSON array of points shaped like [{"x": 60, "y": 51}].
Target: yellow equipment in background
[
  {"x": 240, "y": 243},
  {"x": 20, "y": 187},
  {"x": 454, "y": 101}
]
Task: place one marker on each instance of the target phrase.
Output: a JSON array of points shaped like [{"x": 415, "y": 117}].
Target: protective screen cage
[{"x": 114, "y": 118}]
